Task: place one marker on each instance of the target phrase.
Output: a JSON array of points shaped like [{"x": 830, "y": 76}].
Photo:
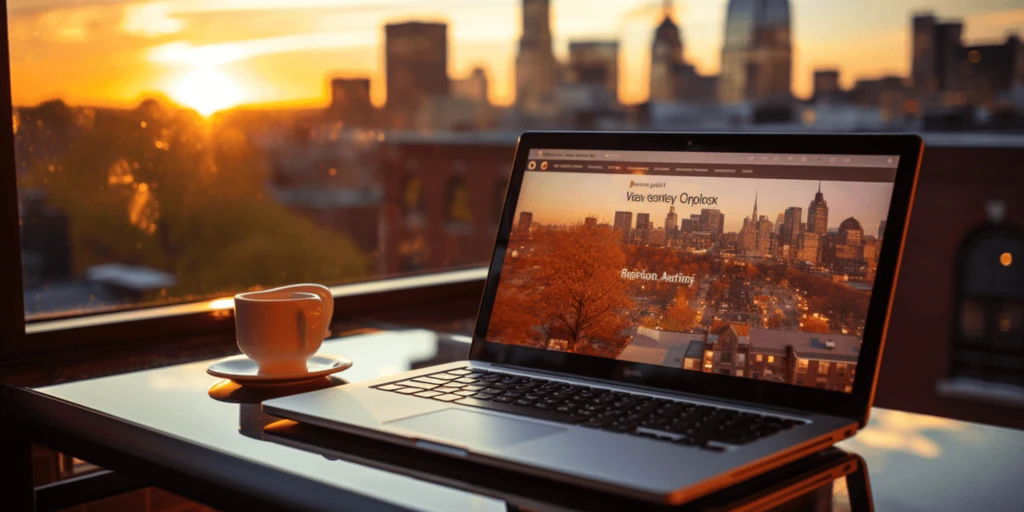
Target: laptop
[{"x": 665, "y": 314}]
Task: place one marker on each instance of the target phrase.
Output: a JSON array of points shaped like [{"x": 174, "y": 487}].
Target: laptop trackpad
[{"x": 465, "y": 427}]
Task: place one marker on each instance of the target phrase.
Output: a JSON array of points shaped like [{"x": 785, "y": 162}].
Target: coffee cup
[{"x": 281, "y": 328}]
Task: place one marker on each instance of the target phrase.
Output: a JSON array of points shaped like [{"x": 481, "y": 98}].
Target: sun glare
[{"x": 207, "y": 90}]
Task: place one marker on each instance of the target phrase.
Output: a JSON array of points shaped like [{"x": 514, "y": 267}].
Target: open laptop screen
[{"x": 758, "y": 266}]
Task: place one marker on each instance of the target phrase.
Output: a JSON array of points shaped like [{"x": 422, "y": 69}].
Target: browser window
[{"x": 751, "y": 265}]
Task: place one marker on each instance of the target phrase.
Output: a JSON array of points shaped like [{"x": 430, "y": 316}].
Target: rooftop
[
  {"x": 807, "y": 345},
  {"x": 647, "y": 337}
]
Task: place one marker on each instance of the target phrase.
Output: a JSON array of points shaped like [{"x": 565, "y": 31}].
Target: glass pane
[{"x": 170, "y": 151}]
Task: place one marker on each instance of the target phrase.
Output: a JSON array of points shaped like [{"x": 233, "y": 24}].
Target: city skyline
[
  {"x": 544, "y": 196},
  {"x": 174, "y": 48}
]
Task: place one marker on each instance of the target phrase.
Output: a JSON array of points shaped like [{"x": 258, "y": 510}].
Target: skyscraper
[
  {"x": 642, "y": 220},
  {"x": 666, "y": 55},
  {"x": 350, "y": 101},
  {"x": 671, "y": 221},
  {"x": 596, "y": 63},
  {"x": 807, "y": 247},
  {"x": 525, "y": 220},
  {"x": 712, "y": 220},
  {"x": 757, "y": 55},
  {"x": 817, "y": 214},
  {"x": 622, "y": 222},
  {"x": 749, "y": 232},
  {"x": 536, "y": 69},
  {"x": 764, "y": 236},
  {"x": 881, "y": 230},
  {"x": 922, "y": 71},
  {"x": 826, "y": 85},
  {"x": 416, "y": 64},
  {"x": 791, "y": 226},
  {"x": 936, "y": 50}
]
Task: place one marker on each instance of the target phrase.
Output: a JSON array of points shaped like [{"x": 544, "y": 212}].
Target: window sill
[{"x": 110, "y": 343}]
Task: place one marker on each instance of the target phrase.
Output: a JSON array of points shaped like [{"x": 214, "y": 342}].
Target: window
[
  {"x": 801, "y": 366},
  {"x": 841, "y": 369},
  {"x": 741, "y": 359},
  {"x": 771, "y": 359},
  {"x": 823, "y": 367},
  {"x": 739, "y": 373},
  {"x": 725, "y": 357},
  {"x": 189, "y": 154},
  {"x": 691, "y": 364},
  {"x": 758, "y": 358},
  {"x": 755, "y": 375}
]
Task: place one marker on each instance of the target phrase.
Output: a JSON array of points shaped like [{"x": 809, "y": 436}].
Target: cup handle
[
  {"x": 326, "y": 299},
  {"x": 312, "y": 322}
]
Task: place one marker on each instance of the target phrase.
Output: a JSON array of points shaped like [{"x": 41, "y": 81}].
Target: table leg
[{"x": 17, "y": 488}]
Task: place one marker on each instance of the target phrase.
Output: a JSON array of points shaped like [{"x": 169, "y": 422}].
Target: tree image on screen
[{"x": 564, "y": 281}]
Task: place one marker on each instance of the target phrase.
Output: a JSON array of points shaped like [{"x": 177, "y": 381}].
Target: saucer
[{"x": 243, "y": 370}]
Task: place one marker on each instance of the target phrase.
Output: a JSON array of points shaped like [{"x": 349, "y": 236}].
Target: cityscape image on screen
[{"x": 766, "y": 279}]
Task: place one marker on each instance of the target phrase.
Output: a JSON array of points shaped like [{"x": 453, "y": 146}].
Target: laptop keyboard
[{"x": 704, "y": 426}]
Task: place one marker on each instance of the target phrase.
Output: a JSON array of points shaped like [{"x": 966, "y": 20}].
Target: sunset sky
[
  {"x": 567, "y": 198},
  {"x": 212, "y": 54}
]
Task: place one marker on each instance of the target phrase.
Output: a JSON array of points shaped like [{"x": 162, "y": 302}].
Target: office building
[
  {"x": 807, "y": 247},
  {"x": 596, "y": 63},
  {"x": 671, "y": 221},
  {"x": 690, "y": 224},
  {"x": 590, "y": 222},
  {"x": 826, "y": 86},
  {"x": 850, "y": 232},
  {"x": 416, "y": 65},
  {"x": 764, "y": 236},
  {"x": 350, "y": 101},
  {"x": 991, "y": 69},
  {"x": 473, "y": 87},
  {"x": 712, "y": 220},
  {"x": 791, "y": 226},
  {"x": 757, "y": 55},
  {"x": 944, "y": 71},
  {"x": 817, "y": 214},
  {"x": 672, "y": 79},
  {"x": 656, "y": 237},
  {"x": 622, "y": 222},
  {"x": 536, "y": 68},
  {"x": 640, "y": 233},
  {"x": 525, "y": 220},
  {"x": 922, "y": 72},
  {"x": 666, "y": 55}
]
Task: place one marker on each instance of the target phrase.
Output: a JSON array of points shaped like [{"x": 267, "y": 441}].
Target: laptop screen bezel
[{"x": 854, "y": 404}]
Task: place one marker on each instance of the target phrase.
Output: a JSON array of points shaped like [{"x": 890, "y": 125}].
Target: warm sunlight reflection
[
  {"x": 207, "y": 90},
  {"x": 222, "y": 303}
]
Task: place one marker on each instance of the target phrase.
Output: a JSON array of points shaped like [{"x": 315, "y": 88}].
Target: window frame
[{"x": 12, "y": 314}]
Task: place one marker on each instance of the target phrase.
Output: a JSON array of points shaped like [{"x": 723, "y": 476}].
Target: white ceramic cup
[{"x": 282, "y": 327}]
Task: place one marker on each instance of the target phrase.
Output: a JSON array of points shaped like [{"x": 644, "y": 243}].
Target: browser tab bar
[{"x": 683, "y": 157}]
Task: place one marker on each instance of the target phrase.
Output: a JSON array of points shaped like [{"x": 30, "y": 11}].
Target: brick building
[
  {"x": 725, "y": 349},
  {"x": 442, "y": 198},
  {"x": 820, "y": 360}
]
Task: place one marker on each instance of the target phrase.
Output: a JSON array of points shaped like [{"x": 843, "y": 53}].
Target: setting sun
[{"x": 207, "y": 90}]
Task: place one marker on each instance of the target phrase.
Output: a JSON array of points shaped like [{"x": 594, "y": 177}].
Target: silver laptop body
[{"x": 820, "y": 391}]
